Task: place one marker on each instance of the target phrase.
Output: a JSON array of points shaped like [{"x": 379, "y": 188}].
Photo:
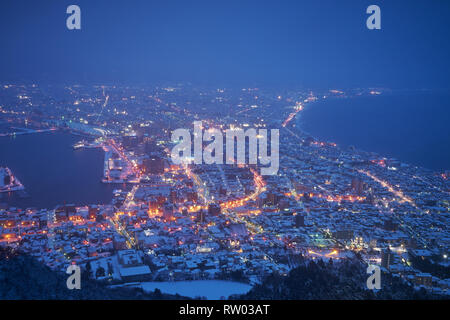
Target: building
[
  {"x": 343, "y": 234},
  {"x": 201, "y": 216},
  {"x": 119, "y": 243},
  {"x": 214, "y": 209},
  {"x": 423, "y": 279},
  {"x": 153, "y": 165},
  {"x": 390, "y": 225},
  {"x": 130, "y": 141},
  {"x": 358, "y": 186},
  {"x": 387, "y": 258},
  {"x": 168, "y": 210},
  {"x": 62, "y": 212},
  {"x": 131, "y": 266},
  {"x": 299, "y": 220}
]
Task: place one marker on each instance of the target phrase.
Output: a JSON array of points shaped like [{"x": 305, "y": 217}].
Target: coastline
[
  {"x": 408, "y": 152},
  {"x": 70, "y": 176}
]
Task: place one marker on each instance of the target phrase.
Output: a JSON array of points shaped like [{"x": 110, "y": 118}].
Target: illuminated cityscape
[
  {"x": 260, "y": 153},
  {"x": 170, "y": 222}
]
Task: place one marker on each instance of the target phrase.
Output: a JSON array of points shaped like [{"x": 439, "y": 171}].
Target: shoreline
[
  {"x": 77, "y": 160},
  {"x": 299, "y": 122}
]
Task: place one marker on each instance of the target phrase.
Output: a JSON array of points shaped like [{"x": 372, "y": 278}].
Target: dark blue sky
[{"x": 314, "y": 43}]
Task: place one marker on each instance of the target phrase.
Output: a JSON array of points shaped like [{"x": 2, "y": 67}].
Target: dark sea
[
  {"x": 413, "y": 127},
  {"x": 52, "y": 171}
]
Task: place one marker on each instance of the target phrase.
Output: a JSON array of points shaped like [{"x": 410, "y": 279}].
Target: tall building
[
  {"x": 387, "y": 258},
  {"x": 167, "y": 210},
  {"x": 201, "y": 217},
  {"x": 92, "y": 212},
  {"x": 358, "y": 186}
]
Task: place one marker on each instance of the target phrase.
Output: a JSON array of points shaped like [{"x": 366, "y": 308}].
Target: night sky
[{"x": 314, "y": 43}]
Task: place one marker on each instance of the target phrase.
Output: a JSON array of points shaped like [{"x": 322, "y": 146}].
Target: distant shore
[{"x": 411, "y": 128}]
